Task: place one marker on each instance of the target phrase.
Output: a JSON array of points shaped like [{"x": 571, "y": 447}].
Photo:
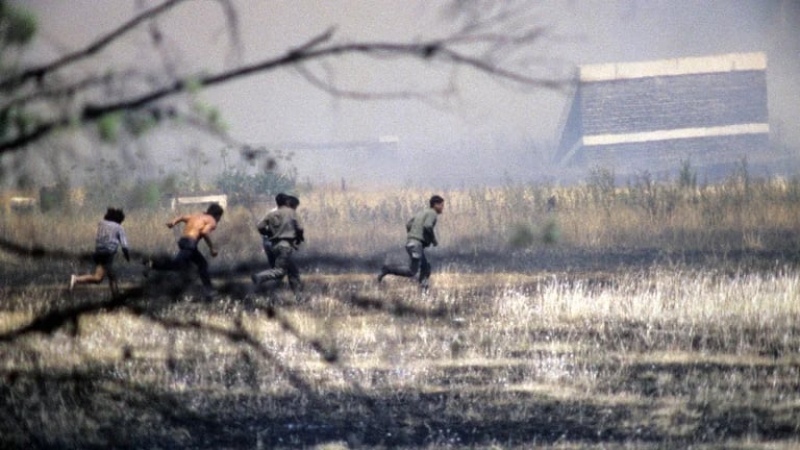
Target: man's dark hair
[
  {"x": 114, "y": 215},
  {"x": 435, "y": 200},
  {"x": 280, "y": 199},
  {"x": 215, "y": 211},
  {"x": 292, "y": 201}
]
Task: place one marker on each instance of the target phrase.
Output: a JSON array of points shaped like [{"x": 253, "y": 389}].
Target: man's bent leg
[
  {"x": 268, "y": 275},
  {"x": 180, "y": 261},
  {"x": 202, "y": 268},
  {"x": 414, "y": 250},
  {"x": 269, "y": 251},
  {"x": 112, "y": 284},
  {"x": 283, "y": 255},
  {"x": 293, "y": 273},
  {"x": 108, "y": 270},
  {"x": 424, "y": 272}
]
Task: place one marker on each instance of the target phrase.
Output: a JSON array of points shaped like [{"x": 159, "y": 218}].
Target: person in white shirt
[{"x": 110, "y": 237}]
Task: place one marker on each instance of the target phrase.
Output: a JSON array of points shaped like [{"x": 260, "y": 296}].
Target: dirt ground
[{"x": 355, "y": 365}]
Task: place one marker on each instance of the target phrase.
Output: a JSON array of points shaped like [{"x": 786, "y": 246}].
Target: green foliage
[
  {"x": 522, "y": 236},
  {"x": 14, "y": 121},
  {"x": 245, "y": 189},
  {"x": 54, "y": 197},
  {"x": 17, "y": 25},
  {"x": 170, "y": 185},
  {"x": 23, "y": 121},
  {"x": 139, "y": 122},
  {"x": 211, "y": 115},
  {"x": 193, "y": 85},
  {"x": 108, "y": 127},
  {"x": 551, "y": 232},
  {"x": 214, "y": 119},
  {"x": 207, "y": 112},
  {"x": 144, "y": 195}
]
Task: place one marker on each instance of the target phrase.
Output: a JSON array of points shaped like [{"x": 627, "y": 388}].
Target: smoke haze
[{"x": 486, "y": 133}]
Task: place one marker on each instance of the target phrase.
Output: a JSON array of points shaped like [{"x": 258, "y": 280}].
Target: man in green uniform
[
  {"x": 420, "y": 236},
  {"x": 285, "y": 234},
  {"x": 262, "y": 228}
]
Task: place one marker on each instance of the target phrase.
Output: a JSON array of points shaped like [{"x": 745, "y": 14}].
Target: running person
[
  {"x": 285, "y": 234},
  {"x": 110, "y": 237},
  {"x": 197, "y": 226},
  {"x": 263, "y": 229},
  {"x": 420, "y": 235}
]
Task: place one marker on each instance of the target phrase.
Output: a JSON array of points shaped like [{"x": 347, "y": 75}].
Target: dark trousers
[
  {"x": 187, "y": 253},
  {"x": 268, "y": 250},
  {"x": 106, "y": 260},
  {"x": 418, "y": 263},
  {"x": 284, "y": 267}
]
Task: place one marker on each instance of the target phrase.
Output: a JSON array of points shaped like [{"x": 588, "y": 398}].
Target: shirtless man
[{"x": 198, "y": 226}]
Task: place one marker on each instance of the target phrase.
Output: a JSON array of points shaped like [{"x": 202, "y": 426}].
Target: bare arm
[
  {"x": 177, "y": 220},
  {"x": 123, "y": 242},
  {"x": 210, "y": 244},
  {"x": 205, "y": 233}
]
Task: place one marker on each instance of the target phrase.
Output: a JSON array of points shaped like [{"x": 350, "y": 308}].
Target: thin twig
[{"x": 91, "y": 49}]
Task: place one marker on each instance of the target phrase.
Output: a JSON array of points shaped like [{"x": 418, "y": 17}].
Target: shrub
[
  {"x": 551, "y": 232},
  {"x": 144, "y": 195},
  {"x": 522, "y": 236},
  {"x": 54, "y": 197},
  {"x": 245, "y": 189}
]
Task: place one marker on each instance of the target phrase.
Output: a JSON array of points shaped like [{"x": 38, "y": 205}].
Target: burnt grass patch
[
  {"x": 739, "y": 382},
  {"x": 126, "y": 415},
  {"x": 41, "y": 411}
]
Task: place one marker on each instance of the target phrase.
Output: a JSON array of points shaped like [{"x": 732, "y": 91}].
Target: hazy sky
[{"x": 281, "y": 107}]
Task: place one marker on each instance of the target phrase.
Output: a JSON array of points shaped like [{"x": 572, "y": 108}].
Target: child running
[{"x": 110, "y": 237}]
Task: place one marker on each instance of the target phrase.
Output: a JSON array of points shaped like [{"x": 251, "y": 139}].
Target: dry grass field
[{"x": 649, "y": 316}]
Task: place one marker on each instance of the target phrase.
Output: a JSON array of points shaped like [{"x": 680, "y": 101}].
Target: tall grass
[
  {"x": 736, "y": 215},
  {"x": 657, "y": 356}
]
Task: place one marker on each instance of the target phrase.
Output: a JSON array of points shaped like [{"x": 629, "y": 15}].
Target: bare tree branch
[
  {"x": 331, "y": 89},
  {"x": 232, "y": 19},
  {"x": 483, "y": 66},
  {"x": 441, "y": 49},
  {"x": 59, "y": 91},
  {"x": 38, "y": 72}
]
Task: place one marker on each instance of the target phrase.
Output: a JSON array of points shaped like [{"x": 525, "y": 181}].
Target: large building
[{"x": 651, "y": 116}]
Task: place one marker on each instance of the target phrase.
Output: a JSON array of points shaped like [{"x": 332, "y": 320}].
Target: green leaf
[
  {"x": 108, "y": 127},
  {"x": 193, "y": 85},
  {"x": 18, "y": 26}
]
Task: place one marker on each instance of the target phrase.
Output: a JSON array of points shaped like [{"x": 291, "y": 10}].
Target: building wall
[
  {"x": 711, "y": 111},
  {"x": 714, "y": 157},
  {"x": 663, "y": 103},
  {"x": 572, "y": 132}
]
